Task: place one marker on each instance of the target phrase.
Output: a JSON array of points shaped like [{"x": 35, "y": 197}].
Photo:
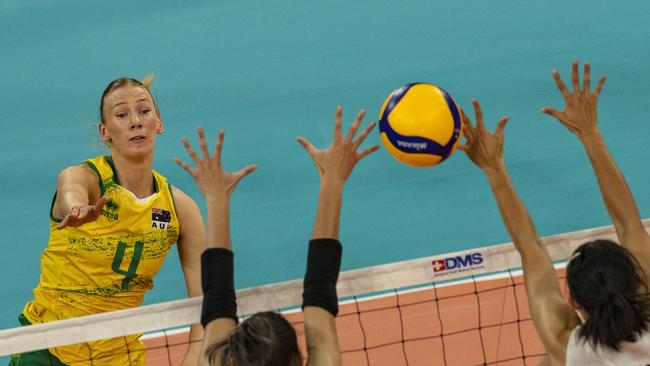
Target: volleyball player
[
  {"x": 113, "y": 221},
  {"x": 607, "y": 282},
  {"x": 266, "y": 338},
  {"x": 605, "y": 321}
]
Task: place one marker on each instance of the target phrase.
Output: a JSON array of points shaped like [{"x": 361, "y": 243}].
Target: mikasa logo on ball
[{"x": 418, "y": 146}]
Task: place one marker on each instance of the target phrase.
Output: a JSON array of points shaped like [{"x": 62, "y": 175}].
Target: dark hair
[
  {"x": 265, "y": 339},
  {"x": 605, "y": 279},
  {"x": 122, "y": 82}
]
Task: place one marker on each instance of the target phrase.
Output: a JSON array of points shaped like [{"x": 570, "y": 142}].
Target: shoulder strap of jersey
[{"x": 103, "y": 166}]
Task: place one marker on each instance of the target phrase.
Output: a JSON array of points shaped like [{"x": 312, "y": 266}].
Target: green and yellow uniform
[{"x": 105, "y": 265}]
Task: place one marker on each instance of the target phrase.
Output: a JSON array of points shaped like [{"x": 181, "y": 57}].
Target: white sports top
[{"x": 579, "y": 352}]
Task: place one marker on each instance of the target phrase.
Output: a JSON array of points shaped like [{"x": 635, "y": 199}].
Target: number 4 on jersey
[{"x": 133, "y": 266}]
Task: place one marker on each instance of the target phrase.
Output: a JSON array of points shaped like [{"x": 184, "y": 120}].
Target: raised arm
[
  {"x": 320, "y": 303},
  {"x": 78, "y": 198},
  {"x": 219, "y": 311},
  {"x": 191, "y": 245},
  {"x": 580, "y": 116},
  {"x": 552, "y": 316}
]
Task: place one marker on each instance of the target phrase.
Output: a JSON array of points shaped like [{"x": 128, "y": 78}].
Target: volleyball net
[{"x": 463, "y": 308}]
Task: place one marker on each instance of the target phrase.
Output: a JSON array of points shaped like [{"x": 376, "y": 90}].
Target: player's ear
[
  {"x": 103, "y": 133},
  {"x": 159, "y": 127}
]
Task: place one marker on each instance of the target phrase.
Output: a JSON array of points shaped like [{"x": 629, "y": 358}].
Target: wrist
[
  {"x": 590, "y": 136},
  {"x": 496, "y": 169},
  {"x": 222, "y": 199},
  {"x": 331, "y": 186}
]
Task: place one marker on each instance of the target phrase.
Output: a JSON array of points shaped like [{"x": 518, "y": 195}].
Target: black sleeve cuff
[
  {"x": 323, "y": 266},
  {"x": 217, "y": 280}
]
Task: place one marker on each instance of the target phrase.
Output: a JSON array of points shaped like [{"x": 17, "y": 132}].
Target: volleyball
[{"x": 420, "y": 124}]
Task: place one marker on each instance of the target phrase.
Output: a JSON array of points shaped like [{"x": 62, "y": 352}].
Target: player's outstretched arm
[
  {"x": 580, "y": 116},
  {"x": 552, "y": 316},
  {"x": 219, "y": 312},
  {"x": 320, "y": 303},
  {"x": 78, "y": 198}
]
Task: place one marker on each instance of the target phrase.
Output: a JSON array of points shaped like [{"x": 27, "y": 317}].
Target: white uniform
[{"x": 580, "y": 352}]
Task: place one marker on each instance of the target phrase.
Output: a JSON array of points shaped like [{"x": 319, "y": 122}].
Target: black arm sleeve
[
  {"x": 217, "y": 280},
  {"x": 323, "y": 266}
]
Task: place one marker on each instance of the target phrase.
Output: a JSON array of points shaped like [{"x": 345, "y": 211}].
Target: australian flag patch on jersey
[{"x": 160, "y": 218}]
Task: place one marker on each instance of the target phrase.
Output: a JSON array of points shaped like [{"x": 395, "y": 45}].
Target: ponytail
[{"x": 607, "y": 282}]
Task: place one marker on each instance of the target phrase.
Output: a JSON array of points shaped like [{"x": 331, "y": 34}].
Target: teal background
[{"x": 267, "y": 71}]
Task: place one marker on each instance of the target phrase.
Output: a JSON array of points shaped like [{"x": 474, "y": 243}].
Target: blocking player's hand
[
  {"x": 483, "y": 148},
  {"x": 209, "y": 175},
  {"x": 82, "y": 214},
  {"x": 580, "y": 114},
  {"x": 336, "y": 162}
]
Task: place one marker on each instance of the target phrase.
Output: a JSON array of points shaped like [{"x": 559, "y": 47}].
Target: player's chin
[{"x": 139, "y": 150}]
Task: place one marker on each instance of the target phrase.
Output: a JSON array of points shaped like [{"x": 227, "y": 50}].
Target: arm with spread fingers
[
  {"x": 219, "y": 311},
  {"x": 552, "y": 316},
  {"x": 320, "y": 303},
  {"x": 580, "y": 116}
]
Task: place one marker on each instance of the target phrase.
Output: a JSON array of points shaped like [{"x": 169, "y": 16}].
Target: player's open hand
[
  {"x": 485, "y": 149},
  {"x": 84, "y": 214},
  {"x": 580, "y": 114},
  {"x": 209, "y": 175},
  {"x": 335, "y": 163}
]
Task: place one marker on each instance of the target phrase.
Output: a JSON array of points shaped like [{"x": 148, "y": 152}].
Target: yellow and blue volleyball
[{"x": 420, "y": 124}]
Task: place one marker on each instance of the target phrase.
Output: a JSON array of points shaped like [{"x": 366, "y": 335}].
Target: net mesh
[{"x": 464, "y": 308}]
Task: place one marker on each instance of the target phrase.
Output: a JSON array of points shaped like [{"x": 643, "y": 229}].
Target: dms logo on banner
[{"x": 456, "y": 264}]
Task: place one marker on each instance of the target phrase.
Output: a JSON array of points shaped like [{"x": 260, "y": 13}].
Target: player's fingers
[
  {"x": 586, "y": 78},
  {"x": 63, "y": 223},
  {"x": 552, "y": 112},
  {"x": 367, "y": 152},
  {"x": 575, "y": 76},
  {"x": 219, "y": 147},
  {"x": 184, "y": 166},
  {"x": 501, "y": 126},
  {"x": 463, "y": 147},
  {"x": 191, "y": 151},
  {"x": 467, "y": 123},
  {"x": 364, "y": 134},
  {"x": 202, "y": 144},
  {"x": 560, "y": 84},
  {"x": 599, "y": 86},
  {"x": 244, "y": 172},
  {"x": 84, "y": 212},
  {"x": 99, "y": 204},
  {"x": 338, "y": 124},
  {"x": 469, "y": 135},
  {"x": 479, "y": 115},
  {"x": 307, "y": 145},
  {"x": 355, "y": 125}
]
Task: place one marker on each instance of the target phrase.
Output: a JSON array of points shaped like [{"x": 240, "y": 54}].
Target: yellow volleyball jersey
[{"x": 105, "y": 265}]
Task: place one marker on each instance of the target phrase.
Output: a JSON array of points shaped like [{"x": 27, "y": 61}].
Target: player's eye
[{"x": 120, "y": 115}]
